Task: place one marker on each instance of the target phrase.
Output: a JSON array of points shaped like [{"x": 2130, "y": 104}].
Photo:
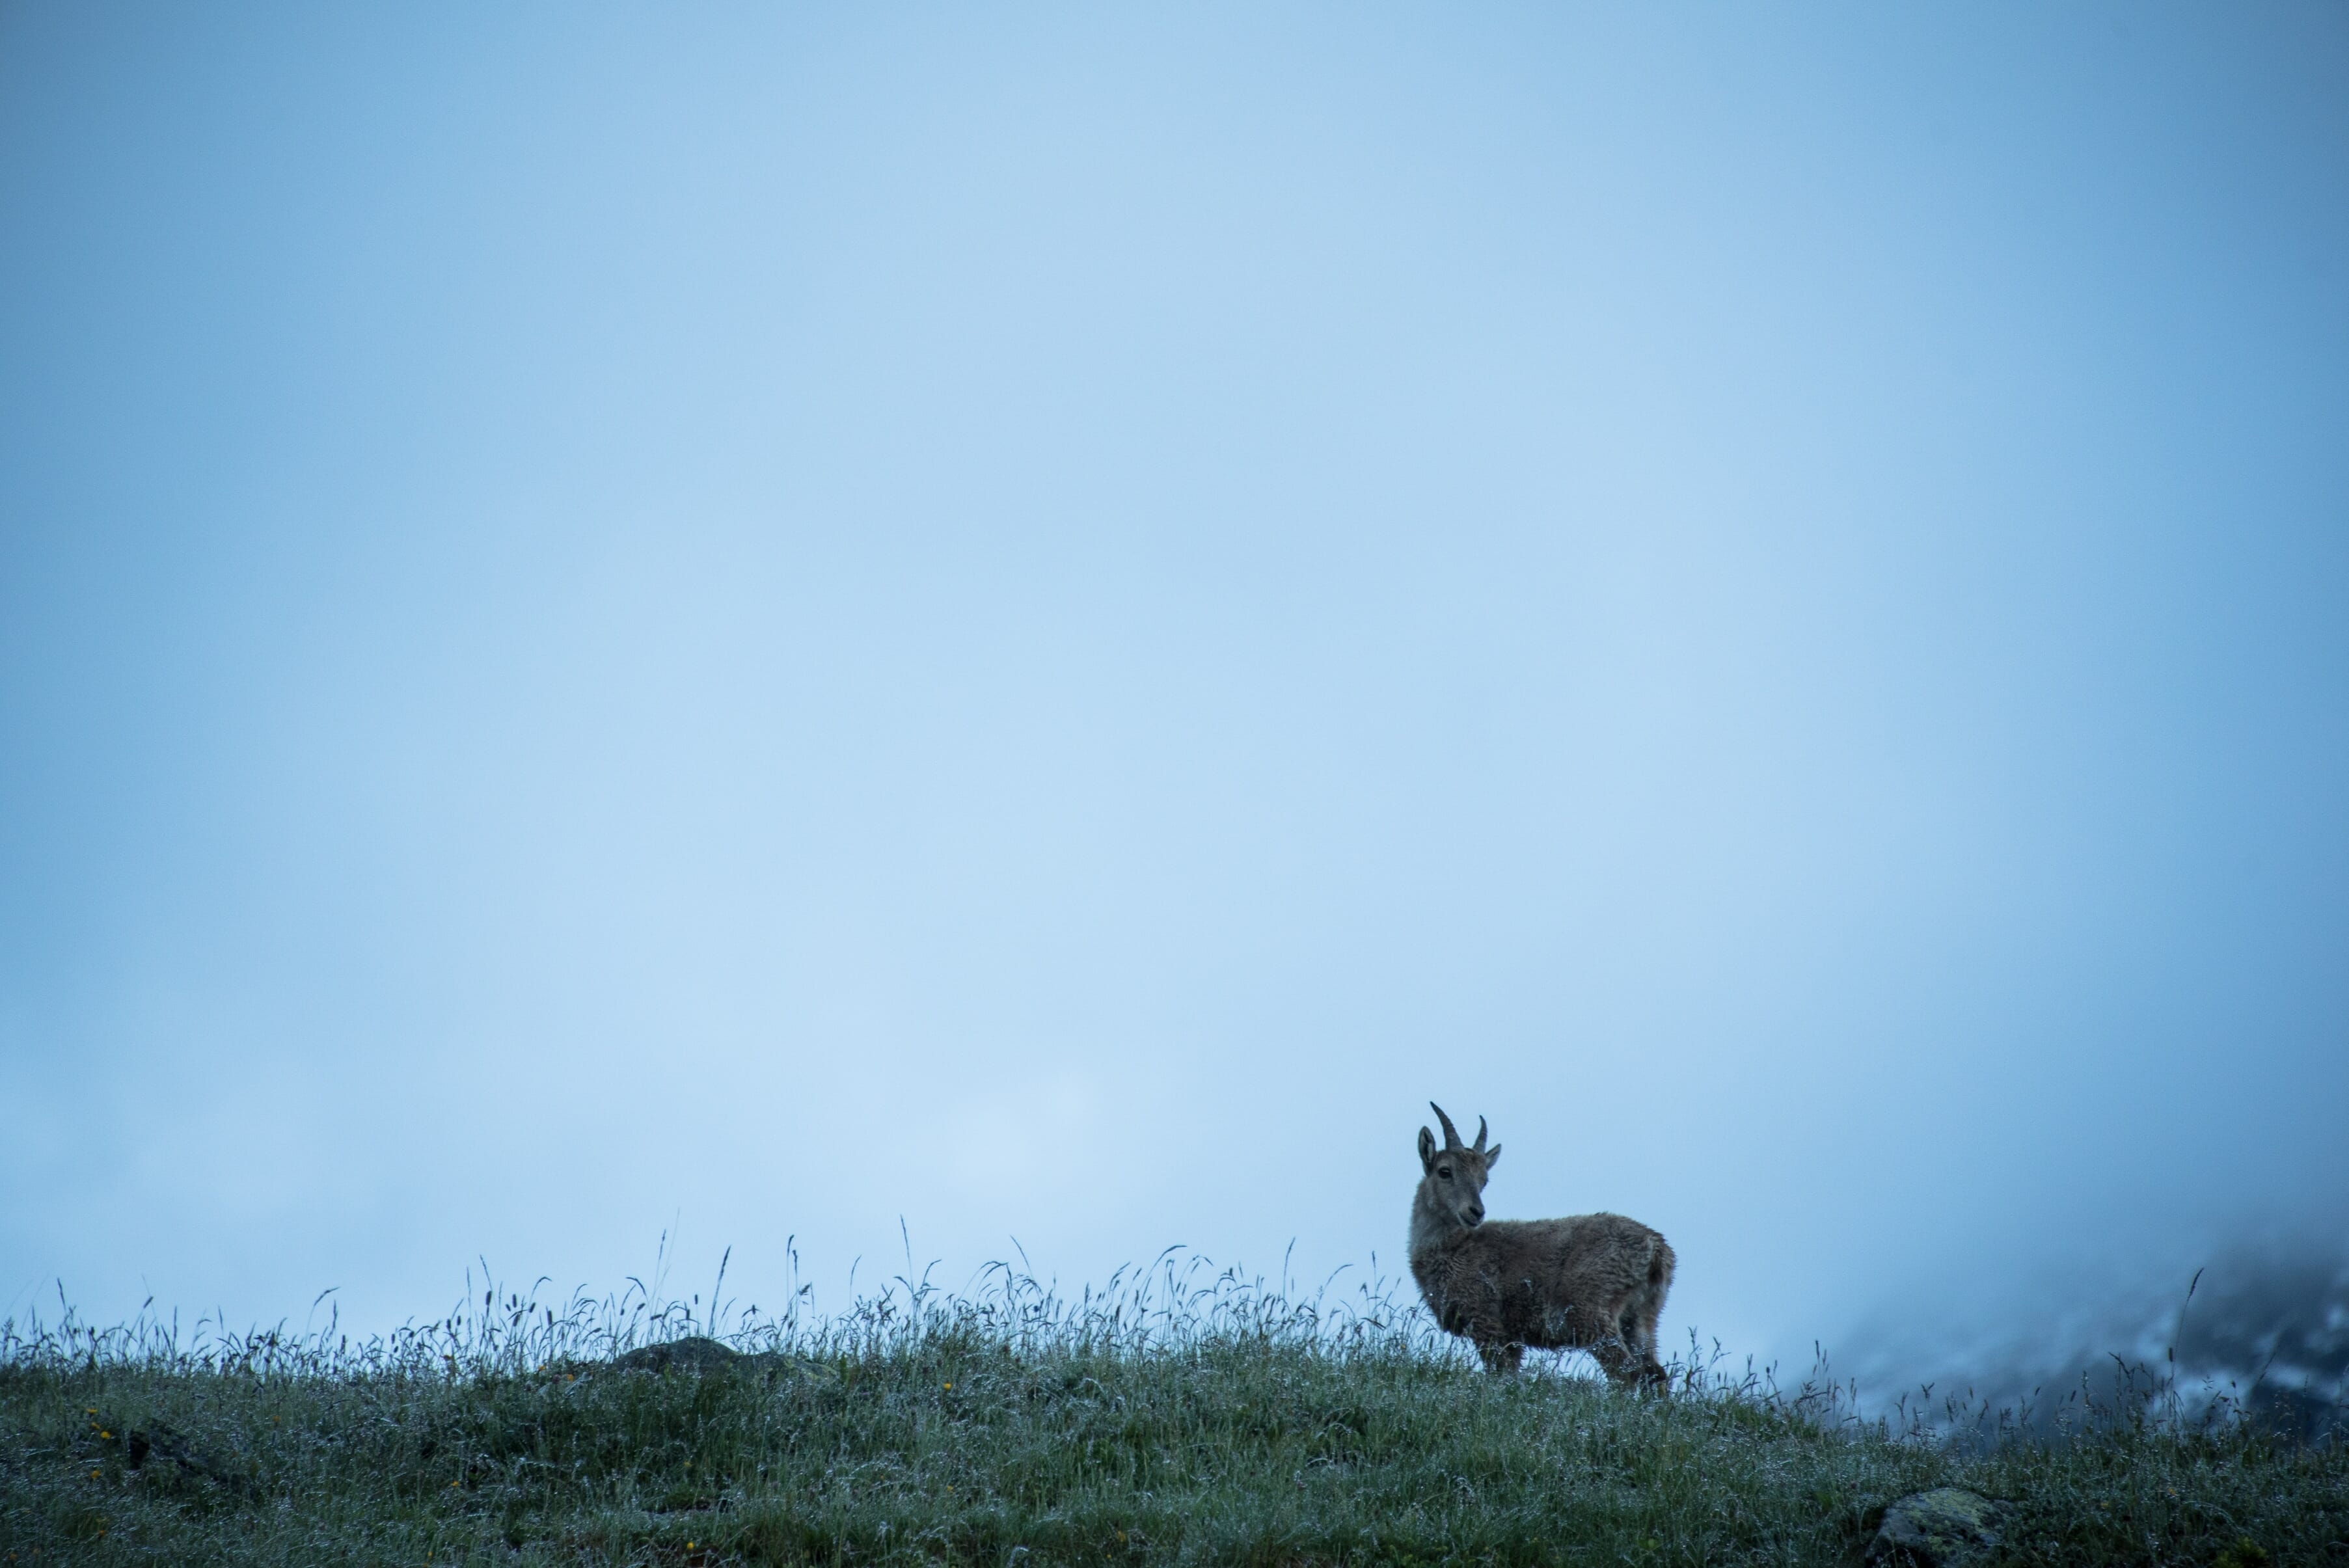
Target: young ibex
[{"x": 1593, "y": 1282}]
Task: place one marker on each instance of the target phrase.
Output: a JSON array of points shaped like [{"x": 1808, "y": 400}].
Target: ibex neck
[{"x": 1433, "y": 1225}]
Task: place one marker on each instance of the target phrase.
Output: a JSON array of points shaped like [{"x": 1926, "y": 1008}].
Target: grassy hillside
[{"x": 1176, "y": 1421}]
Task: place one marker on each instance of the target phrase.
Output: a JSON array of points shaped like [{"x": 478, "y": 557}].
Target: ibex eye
[{"x": 1446, "y": 1172}]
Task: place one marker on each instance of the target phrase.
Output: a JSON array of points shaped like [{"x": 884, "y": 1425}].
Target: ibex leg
[{"x": 1501, "y": 1359}]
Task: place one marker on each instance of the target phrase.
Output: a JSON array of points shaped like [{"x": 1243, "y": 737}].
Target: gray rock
[
  {"x": 690, "y": 1355},
  {"x": 699, "y": 1353},
  {"x": 1947, "y": 1527}
]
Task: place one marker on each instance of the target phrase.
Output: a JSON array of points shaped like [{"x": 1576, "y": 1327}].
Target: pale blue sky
[{"x": 1046, "y": 621}]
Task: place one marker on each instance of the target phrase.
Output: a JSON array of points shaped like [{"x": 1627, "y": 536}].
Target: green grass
[{"x": 1180, "y": 1419}]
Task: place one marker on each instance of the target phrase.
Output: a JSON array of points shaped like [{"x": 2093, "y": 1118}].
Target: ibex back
[{"x": 1591, "y": 1282}]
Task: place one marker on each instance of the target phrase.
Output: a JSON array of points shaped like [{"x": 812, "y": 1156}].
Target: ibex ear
[
  {"x": 1427, "y": 1150},
  {"x": 1491, "y": 1157}
]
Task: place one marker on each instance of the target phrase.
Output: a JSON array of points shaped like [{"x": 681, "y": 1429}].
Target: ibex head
[{"x": 1452, "y": 1185}]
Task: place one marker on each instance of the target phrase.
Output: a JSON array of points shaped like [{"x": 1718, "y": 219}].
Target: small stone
[
  {"x": 1947, "y": 1527},
  {"x": 700, "y": 1354},
  {"x": 696, "y": 1354}
]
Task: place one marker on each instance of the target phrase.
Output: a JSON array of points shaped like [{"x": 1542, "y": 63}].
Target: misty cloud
[{"x": 1042, "y": 624}]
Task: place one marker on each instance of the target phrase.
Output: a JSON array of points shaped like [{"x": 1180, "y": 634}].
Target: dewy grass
[{"x": 1184, "y": 1416}]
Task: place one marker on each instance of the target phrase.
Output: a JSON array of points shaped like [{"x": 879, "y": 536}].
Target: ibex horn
[
  {"x": 1450, "y": 1133},
  {"x": 1480, "y": 1135}
]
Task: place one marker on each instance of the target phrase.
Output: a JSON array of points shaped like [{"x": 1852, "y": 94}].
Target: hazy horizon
[{"x": 757, "y": 624}]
